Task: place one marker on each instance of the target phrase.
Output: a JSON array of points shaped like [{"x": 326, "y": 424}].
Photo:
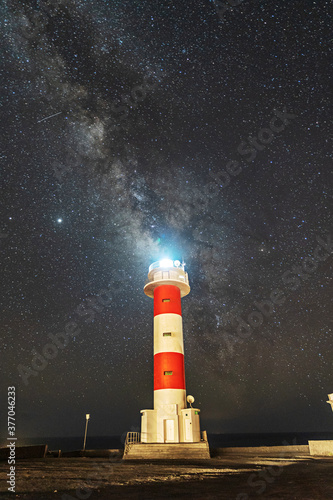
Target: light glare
[{"x": 166, "y": 263}]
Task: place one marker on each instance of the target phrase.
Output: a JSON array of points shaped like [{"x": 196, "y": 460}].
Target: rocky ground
[{"x": 232, "y": 478}]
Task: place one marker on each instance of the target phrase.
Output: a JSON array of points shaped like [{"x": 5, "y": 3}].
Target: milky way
[{"x": 136, "y": 130}]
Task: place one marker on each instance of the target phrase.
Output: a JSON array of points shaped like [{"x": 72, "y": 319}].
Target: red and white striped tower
[{"x": 171, "y": 420}]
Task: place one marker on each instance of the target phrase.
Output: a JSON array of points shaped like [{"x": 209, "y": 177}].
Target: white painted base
[
  {"x": 166, "y": 425},
  {"x": 165, "y": 397}
]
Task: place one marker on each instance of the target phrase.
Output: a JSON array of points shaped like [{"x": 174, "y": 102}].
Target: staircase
[{"x": 163, "y": 451}]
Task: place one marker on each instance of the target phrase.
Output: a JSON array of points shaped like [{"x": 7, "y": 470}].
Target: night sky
[{"x": 139, "y": 129}]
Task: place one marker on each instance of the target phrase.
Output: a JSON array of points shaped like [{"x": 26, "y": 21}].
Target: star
[{"x": 198, "y": 144}]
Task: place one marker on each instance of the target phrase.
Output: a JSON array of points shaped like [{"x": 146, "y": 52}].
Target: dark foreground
[{"x": 230, "y": 478}]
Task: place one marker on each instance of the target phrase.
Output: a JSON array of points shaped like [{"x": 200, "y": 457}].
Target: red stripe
[
  {"x": 167, "y": 300},
  {"x": 172, "y": 362}
]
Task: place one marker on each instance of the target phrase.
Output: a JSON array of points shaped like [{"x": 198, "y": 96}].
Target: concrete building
[{"x": 322, "y": 447}]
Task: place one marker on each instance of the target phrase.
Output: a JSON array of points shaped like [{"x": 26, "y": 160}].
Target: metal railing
[
  {"x": 167, "y": 263},
  {"x": 169, "y": 276},
  {"x": 131, "y": 438}
]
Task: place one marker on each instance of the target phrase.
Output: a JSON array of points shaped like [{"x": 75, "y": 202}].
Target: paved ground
[{"x": 230, "y": 478}]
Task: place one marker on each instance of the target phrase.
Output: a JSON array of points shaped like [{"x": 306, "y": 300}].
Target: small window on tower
[
  {"x": 168, "y": 373},
  {"x": 166, "y": 334},
  {"x": 165, "y": 300}
]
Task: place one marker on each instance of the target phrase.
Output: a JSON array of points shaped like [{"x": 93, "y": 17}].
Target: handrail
[{"x": 131, "y": 438}]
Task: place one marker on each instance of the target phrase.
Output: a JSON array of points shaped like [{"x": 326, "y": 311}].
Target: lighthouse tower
[{"x": 171, "y": 421}]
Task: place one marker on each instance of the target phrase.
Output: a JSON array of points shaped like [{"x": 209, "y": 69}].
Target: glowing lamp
[{"x": 166, "y": 263}]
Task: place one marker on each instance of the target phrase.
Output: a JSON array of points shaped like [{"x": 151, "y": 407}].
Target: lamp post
[{"x": 85, "y": 432}]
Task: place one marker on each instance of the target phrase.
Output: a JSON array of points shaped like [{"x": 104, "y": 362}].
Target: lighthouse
[{"x": 171, "y": 420}]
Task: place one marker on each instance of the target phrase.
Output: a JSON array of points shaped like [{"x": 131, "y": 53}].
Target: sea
[{"x": 215, "y": 440}]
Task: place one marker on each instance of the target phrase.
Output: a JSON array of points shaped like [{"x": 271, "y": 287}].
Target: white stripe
[
  {"x": 170, "y": 397},
  {"x": 165, "y": 324}
]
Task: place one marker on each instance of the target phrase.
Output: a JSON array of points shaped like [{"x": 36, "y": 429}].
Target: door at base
[{"x": 169, "y": 431}]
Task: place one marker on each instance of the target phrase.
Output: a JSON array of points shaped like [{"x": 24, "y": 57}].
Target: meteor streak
[{"x": 47, "y": 117}]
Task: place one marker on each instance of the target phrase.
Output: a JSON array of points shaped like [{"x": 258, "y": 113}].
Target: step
[{"x": 165, "y": 451}]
